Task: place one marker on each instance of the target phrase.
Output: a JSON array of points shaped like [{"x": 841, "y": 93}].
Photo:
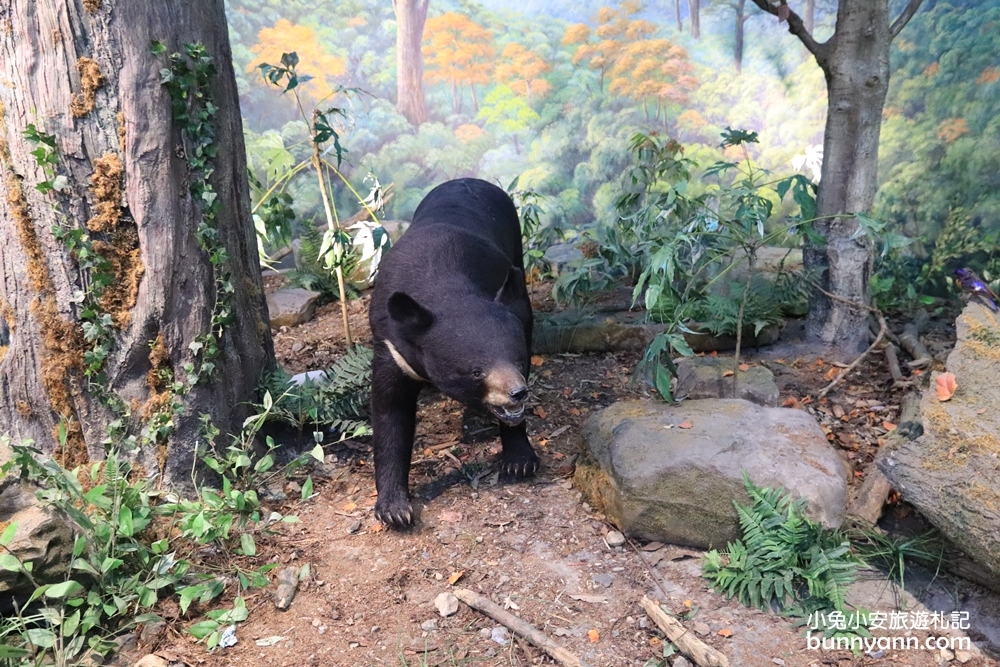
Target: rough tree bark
[
  {"x": 855, "y": 62},
  {"x": 83, "y": 71},
  {"x": 694, "y": 11},
  {"x": 410, "y": 18}
]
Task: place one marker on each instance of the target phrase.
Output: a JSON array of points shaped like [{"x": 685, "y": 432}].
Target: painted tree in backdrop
[
  {"x": 129, "y": 277},
  {"x": 694, "y": 8},
  {"x": 458, "y": 51},
  {"x": 410, "y": 18},
  {"x": 654, "y": 70},
  {"x": 288, "y": 37},
  {"x": 855, "y": 62},
  {"x": 521, "y": 70},
  {"x": 616, "y": 30}
]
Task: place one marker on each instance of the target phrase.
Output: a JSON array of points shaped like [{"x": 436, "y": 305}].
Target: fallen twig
[
  {"x": 883, "y": 328},
  {"x": 893, "y": 360},
  {"x": 519, "y": 627},
  {"x": 909, "y": 340},
  {"x": 702, "y": 654}
]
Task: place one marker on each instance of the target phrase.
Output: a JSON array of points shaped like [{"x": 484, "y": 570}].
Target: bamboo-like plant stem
[{"x": 332, "y": 224}]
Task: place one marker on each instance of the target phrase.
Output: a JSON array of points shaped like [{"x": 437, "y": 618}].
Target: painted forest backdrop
[{"x": 552, "y": 91}]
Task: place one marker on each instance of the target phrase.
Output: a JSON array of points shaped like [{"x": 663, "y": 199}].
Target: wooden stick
[
  {"x": 703, "y": 654},
  {"x": 517, "y": 626},
  {"x": 883, "y": 328},
  {"x": 893, "y": 361}
]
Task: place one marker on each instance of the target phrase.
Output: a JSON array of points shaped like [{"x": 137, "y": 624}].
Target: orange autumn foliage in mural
[
  {"x": 458, "y": 51},
  {"x": 286, "y": 37},
  {"x": 521, "y": 71},
  {"x": 952, "y": 129},
  {"x": 652, "y": 70},
  {"x": 616, "y": 30}
]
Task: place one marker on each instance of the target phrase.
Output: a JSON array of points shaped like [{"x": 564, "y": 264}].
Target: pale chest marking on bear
[{"x": 401, "y": 362}]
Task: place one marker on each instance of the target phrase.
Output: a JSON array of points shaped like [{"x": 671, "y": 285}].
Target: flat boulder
[
  {"x": 291, "y": 306},
  {"x": 670, "y": 473},
  {"x": 712, "y": 377},
  {"x": 951, "y": 472}
]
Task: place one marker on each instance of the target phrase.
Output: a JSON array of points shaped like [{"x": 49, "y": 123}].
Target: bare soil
[{"x": 534, "y": 546}]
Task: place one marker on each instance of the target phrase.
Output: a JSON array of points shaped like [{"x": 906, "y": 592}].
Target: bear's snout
[
  {"x": 518, "y": 395},
  {"x": 505, "y": 394}
]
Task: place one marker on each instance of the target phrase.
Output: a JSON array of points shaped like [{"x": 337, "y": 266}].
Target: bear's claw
[
  {"x": 520, "y": 467},
  {"x": 395, "y": 514}
]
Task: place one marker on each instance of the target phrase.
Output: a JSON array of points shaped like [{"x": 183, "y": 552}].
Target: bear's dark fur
[{"x": 450, "y": 308}]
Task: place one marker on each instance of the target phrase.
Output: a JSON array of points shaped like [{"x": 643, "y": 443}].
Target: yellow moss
[
  {"x": 7, "y": 313},
  {"x": 156, "y": 378},
  {"x": 24, "y": 409},
  {"x": 3, "y": 352},
  {"x": 4, "y": 148},
  {"x": 90, "y": 80},
  {"x": 106, "y": 187},
  {"x": 985, "y": 496},
  {"x": 92, "y": 5},
  {"x": 121, "y": 131}
]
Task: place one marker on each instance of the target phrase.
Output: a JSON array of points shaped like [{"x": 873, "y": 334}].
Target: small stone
[
  {"x": 778, "y": 661},
  {"x": 947, "y": 655},
  {"x": 354, "y": 527},
  {"x": 353, "y": 645},
  {"x": 701, "y": 628},
  {"x": 500, "y": 635},
  {"x": 643, "y": 623},
  {"x": 875, "y": 655},
  {"x": 430, "y": 625},
  {"x": 316, "y": 622},
  {"x": 297, "y": 347},
  {"x": 963, "y": 656},
  {"x": 681, "y": 661},
  {"x": 375, "y": 629},
  {"x": 603, "y": 580},
  {"x": 446, "y": 603},
  {"x": 615, "y": 539},
  {"x": 151, "y": 660},
  {"x": 485, "y": 633}
]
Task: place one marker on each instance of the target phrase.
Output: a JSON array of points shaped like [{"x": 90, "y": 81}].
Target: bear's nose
[{"x": 519, "y": 394}]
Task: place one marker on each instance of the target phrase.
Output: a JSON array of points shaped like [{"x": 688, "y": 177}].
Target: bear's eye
[{"x": 478, "y": 373}]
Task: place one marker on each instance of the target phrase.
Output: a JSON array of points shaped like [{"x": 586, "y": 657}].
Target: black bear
[{"x": 450, "y": 308}]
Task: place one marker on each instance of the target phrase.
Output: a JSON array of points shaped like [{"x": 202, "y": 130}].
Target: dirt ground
[{"x": 535, "y": 547}]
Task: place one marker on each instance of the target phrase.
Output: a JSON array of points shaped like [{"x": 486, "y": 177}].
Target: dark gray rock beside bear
[{"x": 450, "y": 308}]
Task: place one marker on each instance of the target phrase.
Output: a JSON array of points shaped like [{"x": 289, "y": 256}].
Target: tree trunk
[
  {"x": 741, "y": 18},
  {"x": 809, "y": 15},
  {"x": 855, "y": 62},
  {"x": 83, "y": 71},
  {"x": 857, "y": 78},
  {"x": 410, "y": 17},
  {"x": 475, "y": 99},
  {"x": 455, "y": 104},
  {"x": 677, "y": 13},
  {"x": 694, "y": 9}
]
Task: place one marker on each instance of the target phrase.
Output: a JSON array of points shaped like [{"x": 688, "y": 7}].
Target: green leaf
[
  {"x": 8, "y": 533},
  {"x": 64, "y": 589},
  {"x": 8, "y": 652},
  {"x": 307, "y": 488},
  {"x": 317, "y": 453},
  {"x": 248, "y": 545},
  {"x": 125, "y": 524},
  {"x": 663, "y": 379},
  {"x": 41, "y": 637},
  {"x": 203, "y": 629},
  {"x": 10, "y": 563}
]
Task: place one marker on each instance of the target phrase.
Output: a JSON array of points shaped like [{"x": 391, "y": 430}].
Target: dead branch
[
  {"x": 519, "y": 627},
  {"x": 702, "y": 654},
  {"x": 909, "y": 340},
  {"x": 904, "y": 18},
  {"x": 883, "y": 327},
  {"x": 893, "y": 360},
  {"x": 797, "y": 27}
]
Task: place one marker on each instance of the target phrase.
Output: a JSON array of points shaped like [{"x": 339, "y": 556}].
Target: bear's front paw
[
  {"x": 395, "y": 512},
  {"x": 523, "y": 464}
]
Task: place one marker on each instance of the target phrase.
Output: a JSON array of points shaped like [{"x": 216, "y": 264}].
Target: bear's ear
[
  {"x": 414, "y": 318},
  {"x": 513, "y": 288}
]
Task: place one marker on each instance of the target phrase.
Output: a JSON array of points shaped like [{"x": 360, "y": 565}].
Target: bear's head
[{"x": 473, "y": 349}]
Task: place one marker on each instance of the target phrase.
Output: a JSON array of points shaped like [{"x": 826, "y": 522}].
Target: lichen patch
[
  {"x": 106, "y": 187},
  {"x": 91, "y": 80}
]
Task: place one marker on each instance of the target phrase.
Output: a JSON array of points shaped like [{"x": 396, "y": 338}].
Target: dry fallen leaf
[
  {"x": 744, "y": 367},
  {"x": 688, "y": 603},
  {"x": 726, "y": 374},
  {"x": 539, "y": 411},
  {"x": 594, "y": 635},
  {"x": 655, "y": 642},
  {"x": 832, "y": 374},
  {"x": 450, "y": 516},
  {"x": 350, "y": 507},
  {"x": 981, "y": 411},
  {"x": 888, "y": 426},
  {"x": 537, "y": 360},
  {"x": 455, "y": 577},
  {"x": 377, "y": 527},
  {"x": 685, "y": 425},
  {"x": 713, "y": 353},
  {"x": 945, "y": 386},
  {"x": 725, "y": 632},
  {"x": 791, "y": 402}
]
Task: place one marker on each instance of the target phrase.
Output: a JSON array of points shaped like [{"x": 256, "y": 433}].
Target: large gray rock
[
  {"x": 44, "y": 536},
  {"x": 291, "y": 306},
  {"x": 951, "y": 473},
  {"x": 560, "y": 255},
  {"x": 658, "y": 481},
  {"x": 705, "y": 377}
]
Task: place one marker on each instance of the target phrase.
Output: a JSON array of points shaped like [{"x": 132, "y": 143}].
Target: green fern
[
  {"x": 339, "y": 402},
  {"x": 311, "y": 274},
  {"x": 784, "y": 559}
]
